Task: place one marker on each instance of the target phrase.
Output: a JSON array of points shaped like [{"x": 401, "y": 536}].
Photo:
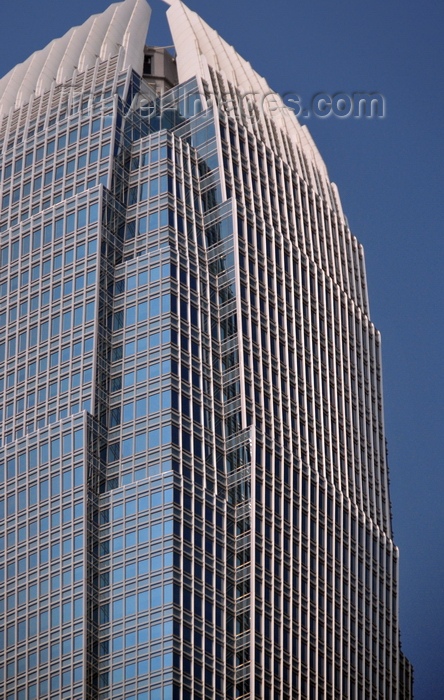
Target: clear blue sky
[{"x": 390, "y": 175}]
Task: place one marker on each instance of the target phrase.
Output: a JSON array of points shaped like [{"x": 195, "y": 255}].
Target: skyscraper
[{"x": 194, "y": 486}]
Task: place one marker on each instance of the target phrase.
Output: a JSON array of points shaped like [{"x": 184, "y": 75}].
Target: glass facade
[{"x": 193, "y": 481}]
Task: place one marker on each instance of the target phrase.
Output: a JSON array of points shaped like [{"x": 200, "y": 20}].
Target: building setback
[{"x": 194, "y": 488}]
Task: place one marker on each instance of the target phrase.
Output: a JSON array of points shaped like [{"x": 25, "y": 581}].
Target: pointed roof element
[
  {"x": 199, "y": 47},
  {"x": 122, "y": 25}
]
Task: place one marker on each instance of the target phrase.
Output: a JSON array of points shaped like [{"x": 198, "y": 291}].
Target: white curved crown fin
[
  {"x": 123, "y": 26},
  {"x": 199, "y": 46}
]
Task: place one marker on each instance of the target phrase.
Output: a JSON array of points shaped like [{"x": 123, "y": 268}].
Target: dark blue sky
[{"x": 390, "y": 175}]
